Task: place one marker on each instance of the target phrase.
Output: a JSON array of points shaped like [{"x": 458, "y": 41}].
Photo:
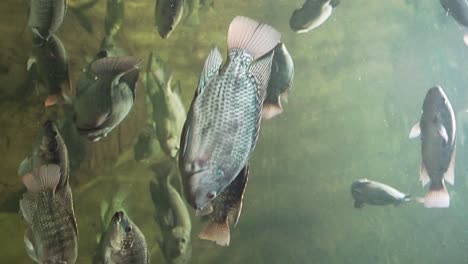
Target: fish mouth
[{"x": 118, "y": 216}]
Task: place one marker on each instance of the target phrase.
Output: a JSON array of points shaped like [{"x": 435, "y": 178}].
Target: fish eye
[
  {"x": 183, "y": 240},
  {"x": 211, "y": 195},
  {"x": 128, "y": 229}
]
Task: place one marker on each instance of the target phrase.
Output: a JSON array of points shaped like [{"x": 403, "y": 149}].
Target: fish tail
[
  {"x": 44, "y": 178},
  {"x": 257, "y": 38},
  {"x": 437, "y": 197},
  {"x": 217, "y": 232}
]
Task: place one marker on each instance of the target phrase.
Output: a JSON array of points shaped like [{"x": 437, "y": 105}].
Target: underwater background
[{"x": 360, "y": 79}]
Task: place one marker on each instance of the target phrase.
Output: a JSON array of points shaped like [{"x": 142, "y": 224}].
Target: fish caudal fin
[
  {"x": 246, "y": 33},
  {"x": 415, "y": 131},
  {"x": 449, "y": 175},
  {"x": 271, "y": 110},
  {"x": 217, "y": 232},
  {"x": 45, "y": 178},
  {"x": 423, "y": 175},
  {"x": 437, "y": 198}
]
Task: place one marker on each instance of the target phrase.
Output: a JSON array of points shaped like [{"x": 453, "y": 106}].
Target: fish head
[
  {"x": 203, "y": 186},
  {"x": 435, "y": 99},
  {"x": 119, "y": 228},
  {"x": 48, "y": 139},
  {"x": 182, "y": 241},
  {"x": 357, "y": 186}
]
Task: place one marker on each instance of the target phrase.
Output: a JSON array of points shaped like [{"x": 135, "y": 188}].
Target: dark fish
[
  {"x": 46, "y": 16},
  {"x": 105, "y": 95},
  {"x": 172, "y": 216},
  {"x": 52, "y": 66},
  {"x": 52, "y": 234},
  {"x": 437, "y": 129},
  {"x": 114, "y": 17},
  {"x": 222, "y": 126},
  {"x": 458, "y": 9},
  {"x": 123, "y": 243},
  {"x": 311, "y": 15},
  {"x": 376, "y": 193},
  {"x": 282, "y": 74},
  {"x": 226, "y": 209},
  {"x": 168, "y": 14}
]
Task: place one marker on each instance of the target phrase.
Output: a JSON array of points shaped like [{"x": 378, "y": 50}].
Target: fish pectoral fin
[
  {"x": 210, "y": 69},
  {"x": 358, "y": 204},
  {"x": 29, "y": 246},
  {"x": 443, "y": 133},
  {"x": 449, "y": 175},
  {"x": 423, "y": 175},
  {"x": 31, "y": 61},
  {"x": 415, "y": 131}
]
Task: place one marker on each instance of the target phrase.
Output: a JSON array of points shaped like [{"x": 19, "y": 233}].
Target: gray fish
[
  {"x": 437, "y": 129},
  {"x": 114, "y": 17},
  {"x": 376, "y": 193},
  {"x": 168, "y": 14},
  {"x": 46, "y": 16},
  {"x": 222, "y": 126},
  {"x": 123, "y": 243},
  {"x": 282, "y": 74},
  {"x": 458, "y": 9},
  {"x": 49, "y": 149},
  {"x": 52, "y": 66},
  {"x": 168, "y": 109},
  {"x": 311, "y": 15},
  {"x": 172, "y": 216},
  {"x": 226, "y": 209},
  {"x": 105, "y": 95},
  {"x": 52, "y": 234}
]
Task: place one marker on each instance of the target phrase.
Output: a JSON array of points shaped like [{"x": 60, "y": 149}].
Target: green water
[{"x": 360, "y": 79}]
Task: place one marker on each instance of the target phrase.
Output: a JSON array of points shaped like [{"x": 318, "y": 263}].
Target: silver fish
[
  {"x": 52, "y": 234},
  {"x": 168, "y": 14},
  {"x": 437, "y": 129},
  {"x": 105, "y": 95},
  {"x": 123, "y": 243},
  {"x": 225, "y": 211},
  {"x": 172, "y": 216},
  {"x": 46, "y": 16},
  {"x": 223, "y": 122},
  {"x": 376, "y": 193},
  {"x": 282, "y": 74},
  {"x": 311, "y": 15},
  {"x": 168, "y": 109},
  {"x": 114, "y": 17}
]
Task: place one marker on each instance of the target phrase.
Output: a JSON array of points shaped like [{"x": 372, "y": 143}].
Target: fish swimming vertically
[
  {"x": 282, "y": 74},
  {"x": 52, "y": 233},
  {"x": 46, "y": 16},
  {"x": 52, "y": 66},
  {"x": 311, "y": 15},
  {"x": 168, "y": 110},
  {"x": 437, "y": 129},
  {"x": 172, "y": 216},
  {"x": 115, "y": 11},
  {"x": 123, "y": 243},
  {"x": 376, "y": 193},
  {"x": 105, "y": 95},
  {"x": 168, "y": 14},
  {"x": 458, "y": 9},
  {"x": 223, "y": 122},
  {"x": 226, "y": 210}
]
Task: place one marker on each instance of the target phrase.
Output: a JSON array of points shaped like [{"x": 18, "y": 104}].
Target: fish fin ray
[
  {"x": 437, "y": 198},
  {"x": 217, "y": 232},
  {"x": 415, "y": 131},
  {"x": 44, "y": 178},
  {"x": 115, "y": 65},
  {"x": 210, "y": 69},
  {"x": 423, "y": 175}
]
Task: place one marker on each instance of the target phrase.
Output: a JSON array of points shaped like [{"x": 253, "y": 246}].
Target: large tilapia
[
  {"x": 311, "y": 15},
  {"x": 437, "y": 128},
  {"x": 224, "y": 119},
  {"x": 46, "y": 16},
  {"x": 52, "y": 234}
]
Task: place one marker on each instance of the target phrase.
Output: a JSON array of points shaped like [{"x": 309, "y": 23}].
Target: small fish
[
  {"x": 168, "y": 14},
  {"x": 52, "y": 233},
  {"x": 282, "y": 74},
  {"x": 437, "y": 129},
  {"x": 52, "y": 66},
  {"x": 114, "y": 17},
  {"x": 105, "y": 95},
  {"x": 222, "y": 126},
  {"x": 172, "y": 216},
  {"x": 123, "y": 243},
  {"x": 376, "y": 193},
  {"x": 168, "y": 109},
  {"x": 311, "y": 15},
  {"x": 226, "y": 209},
  {"x": 46, "y": 16},
  {"x": 458, "y": 9}
]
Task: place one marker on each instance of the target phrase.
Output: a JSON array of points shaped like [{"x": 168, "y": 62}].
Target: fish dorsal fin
[
  {"x": 415, "y": 131},
  {"x": 115, "y": 65},
  {"x": 45, "y": 178},
  {"x": 210, "y": 69},
  {"x": 235, "y": 210},
  {"x": 261, "y": 70},
  {"x": 68, "y": 199}
]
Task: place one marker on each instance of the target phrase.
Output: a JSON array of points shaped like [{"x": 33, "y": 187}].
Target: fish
[
  {"x": 52, "y": 232},
  {"x": 281, "y": 80},
  {"x": 123, "y": 243},
  {"x": 52, "y": 66},
  {"x": 223, "y": 122},
  {"x": 46, "y": 16},
  {"x": 49, "y": 149},
  {"x": 168, "y": 14},
  {"x": 458, "y": 9},
  {"x": 168, "y": 111},
  {"x": 311, "y": 15},
  {"x": 437, "y": 129},
  {"x": 114, "y": 17},
  {"x": 172, "y": 216},
  {"x": 376, "y": 193},
  {"x": 225, "y": 211},
  {"x": 105, "y": 95}
]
